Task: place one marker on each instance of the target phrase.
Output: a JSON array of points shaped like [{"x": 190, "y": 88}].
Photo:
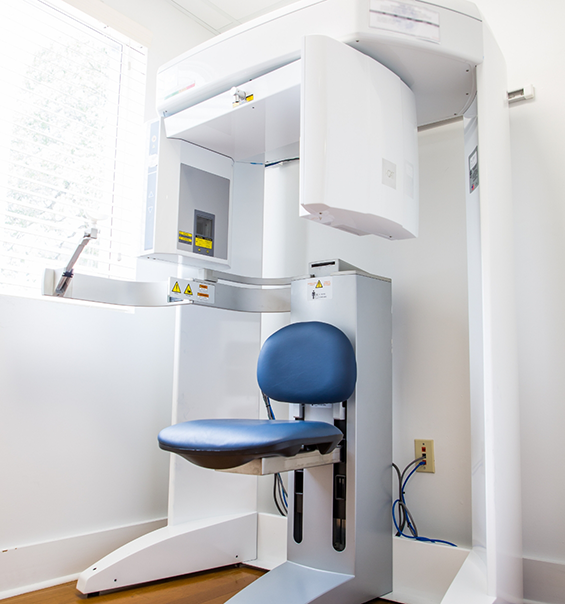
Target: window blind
[{"x": 71, "y": 143}]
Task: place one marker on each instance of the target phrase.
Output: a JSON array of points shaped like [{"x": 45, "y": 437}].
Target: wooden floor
[{"x": 211, "y": 587}]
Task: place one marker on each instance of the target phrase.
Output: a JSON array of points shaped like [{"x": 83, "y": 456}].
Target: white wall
[
  {"x": 82, "y": 388},
  {"x": 83, "y": 393},
  {"x": 531, "y": 38}
]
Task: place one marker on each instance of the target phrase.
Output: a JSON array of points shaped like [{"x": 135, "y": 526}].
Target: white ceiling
[{"x": 220, "y": 15}]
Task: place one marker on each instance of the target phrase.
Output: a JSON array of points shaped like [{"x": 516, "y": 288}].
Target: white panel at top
[
  {"x": 436, "y": 60},
  {"x": 359, "y": 155}
]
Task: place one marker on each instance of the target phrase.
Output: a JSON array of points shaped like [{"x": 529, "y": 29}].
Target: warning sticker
[
  {"x": 319, "y": 289},
  {"x": 201, "y": 242},
  {"x": 404, "y": 18},
  {"x": 192, "y": 290},
  {"x": 185, "y": 237}
]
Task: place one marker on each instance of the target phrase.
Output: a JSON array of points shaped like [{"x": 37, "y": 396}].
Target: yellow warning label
[
  {"x": 185, "y": 237},
  {"x": 201, "y": 242},
  {"x": 320, "y": 290},
  {"x": 249, "y": 97},
  {"x": 176, "y": 288},
  {"x": 187, "y": 291}
]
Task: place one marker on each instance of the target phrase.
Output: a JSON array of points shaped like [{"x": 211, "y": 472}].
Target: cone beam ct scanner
[{"x": 343, "y": 86}]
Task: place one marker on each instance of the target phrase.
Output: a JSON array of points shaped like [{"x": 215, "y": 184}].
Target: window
[{"x": 71, "y": 143}]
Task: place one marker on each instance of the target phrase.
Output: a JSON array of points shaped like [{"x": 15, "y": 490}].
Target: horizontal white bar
[{"x": 107, "y": 291}]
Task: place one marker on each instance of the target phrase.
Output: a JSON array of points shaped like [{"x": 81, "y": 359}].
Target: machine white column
[{"x": 325, "y": 566}]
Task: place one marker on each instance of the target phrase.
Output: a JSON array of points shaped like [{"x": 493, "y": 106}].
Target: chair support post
[{"x": 316, "y": 571}]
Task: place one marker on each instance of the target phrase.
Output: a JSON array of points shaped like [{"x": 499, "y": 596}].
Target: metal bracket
[
  {"x": 275, "y": 465},
  {"x": 521, "y": 94},
  {"x": 67, "y": 274},
  {"x": 240, "y": 96}
]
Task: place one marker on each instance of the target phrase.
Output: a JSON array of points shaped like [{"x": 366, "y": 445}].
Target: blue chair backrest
[{"x": 310, "y": 362}]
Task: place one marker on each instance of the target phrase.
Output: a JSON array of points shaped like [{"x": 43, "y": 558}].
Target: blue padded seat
[
  {"x": 228, "y": 443},
  {"x": 310, "y": 362}
]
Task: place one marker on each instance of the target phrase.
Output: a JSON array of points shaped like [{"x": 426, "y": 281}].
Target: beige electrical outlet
[{"x": 425, "y": 448}]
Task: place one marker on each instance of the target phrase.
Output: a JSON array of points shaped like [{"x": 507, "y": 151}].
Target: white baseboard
[
  {"x": 32, "y": 567},
  {"x": 544, "y": 582}
]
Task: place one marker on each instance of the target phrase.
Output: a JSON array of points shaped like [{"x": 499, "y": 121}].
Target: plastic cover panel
[{"x": 359, "y": 160}]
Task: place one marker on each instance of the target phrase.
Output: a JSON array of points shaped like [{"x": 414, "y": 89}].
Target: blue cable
[
  {"x": 402, "y": 500},
  {"x": 422, "y": 463},
  {"x": 414, "y": 531}
]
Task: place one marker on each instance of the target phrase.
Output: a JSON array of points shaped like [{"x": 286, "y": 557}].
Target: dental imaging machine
[{"x": 341, "y": 85}]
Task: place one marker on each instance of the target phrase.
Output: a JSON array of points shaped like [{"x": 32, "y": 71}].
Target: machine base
[
  {"x": 291, "y": 582},
  {"x": 173, "y": 551}
]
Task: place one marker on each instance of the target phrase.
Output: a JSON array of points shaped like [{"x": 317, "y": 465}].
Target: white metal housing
[
  {"x": 437, "y": 67},
  {"x": 358, "y": 143},
  {"x": 442, "y": 63}
]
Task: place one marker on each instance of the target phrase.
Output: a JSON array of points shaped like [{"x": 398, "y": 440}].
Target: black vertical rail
[
  {"x": 298, "y": 529},
  {"x": 340, "y": 488}
]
